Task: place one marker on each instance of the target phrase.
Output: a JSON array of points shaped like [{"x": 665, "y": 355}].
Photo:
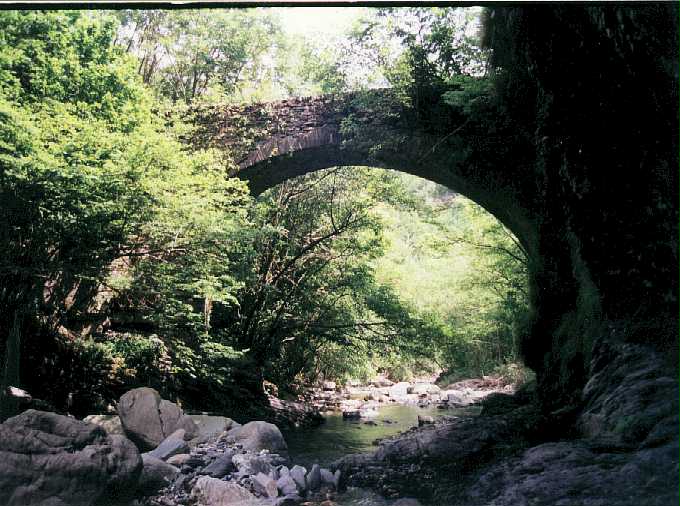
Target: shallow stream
[{"x": 338, "y": 437}]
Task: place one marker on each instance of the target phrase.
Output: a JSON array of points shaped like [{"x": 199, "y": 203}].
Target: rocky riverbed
[
  {"x": 153, "y": 454},
  {"x": 357, "y": 400},
  {"x": 616, "y": 446}
]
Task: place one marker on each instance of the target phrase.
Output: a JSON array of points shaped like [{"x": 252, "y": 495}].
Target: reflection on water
[
  {"x": 337, "y": 437},
  {"x": 361, "y": 497}
]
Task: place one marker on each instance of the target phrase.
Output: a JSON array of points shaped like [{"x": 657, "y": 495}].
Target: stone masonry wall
[{"x": 255, "y": 132}]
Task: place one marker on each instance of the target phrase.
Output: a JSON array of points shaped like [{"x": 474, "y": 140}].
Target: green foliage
[
  {"x": 131, "y": 259},
  {"x": 418, "y": 280},
  {"x": 418, "y": 50},
  {"x": 310, "y": 68},
  {"x": 93, "y": 188},
  {"x": 181, "y": 257},
  {"x": 70, "y": 185},
  {"x": 188, "y": 54},
  {"x": 451, "y": 260},
  {"x": 468, "y": 93},
  {"x": 306, "y": 257},
  {"x": 72, "y": 196},
  {"x": 48, "y": 57}
]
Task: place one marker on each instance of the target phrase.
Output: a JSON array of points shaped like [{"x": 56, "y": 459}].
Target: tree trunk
[{"x": 8, "y": 404}]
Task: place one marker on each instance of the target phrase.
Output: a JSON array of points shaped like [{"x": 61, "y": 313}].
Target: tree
[
  {"x": 186, "y": 54},
  {"x": 84, "y": 169},
  {"x": 457, "y": 264},
  {"x": 308, "y": 283}
]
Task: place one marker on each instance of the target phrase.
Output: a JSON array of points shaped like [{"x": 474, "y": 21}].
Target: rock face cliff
[
  {"x": 595, "y": 89},
  {"x": 623, "y": 449}
]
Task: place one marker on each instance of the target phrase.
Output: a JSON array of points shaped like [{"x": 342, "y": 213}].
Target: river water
[{"x": 338, "y": 437}]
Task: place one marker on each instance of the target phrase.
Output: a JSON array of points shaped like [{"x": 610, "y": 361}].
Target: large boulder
[
  {"x": 256, "y": 436},
  {"x": 399, "y": 389},
  {"x": 173, "y": 418},
  {"x": 55, "y": 460},
  {"x": 213, "y": 492},
  {"x": 140, "y": 417},
  {"x": 148, "y": 420}
]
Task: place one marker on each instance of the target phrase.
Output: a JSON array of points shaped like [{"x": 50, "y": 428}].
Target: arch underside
[{"x": 457, "y": 170}]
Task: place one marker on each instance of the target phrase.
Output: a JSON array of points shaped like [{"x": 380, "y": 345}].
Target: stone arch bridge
[{"x": 272, "y": 142}]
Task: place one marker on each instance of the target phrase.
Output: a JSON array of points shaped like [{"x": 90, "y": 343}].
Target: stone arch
[
  {"x": 277, "y": 141},
  {"x": 271, "y": 171}
]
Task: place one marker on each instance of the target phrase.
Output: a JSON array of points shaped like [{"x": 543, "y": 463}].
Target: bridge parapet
[{"x": 253, "y": 133}]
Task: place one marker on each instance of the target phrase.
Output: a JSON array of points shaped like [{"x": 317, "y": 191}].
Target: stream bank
[
  {"x": 339, "y": 436},
  {"x": 616, "y": 446}
]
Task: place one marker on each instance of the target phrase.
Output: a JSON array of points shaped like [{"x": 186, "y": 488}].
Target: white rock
[
  {"x": 422, "y": 388},
  {"x": 298, "y": 474},
  {"x": 368, "y": 413},
  {"x": 213, "y": 492},
  {"x": 399, "y": 389},
  {"x": 110, "y": 423},
  {"x": 248, "y": 464}
]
